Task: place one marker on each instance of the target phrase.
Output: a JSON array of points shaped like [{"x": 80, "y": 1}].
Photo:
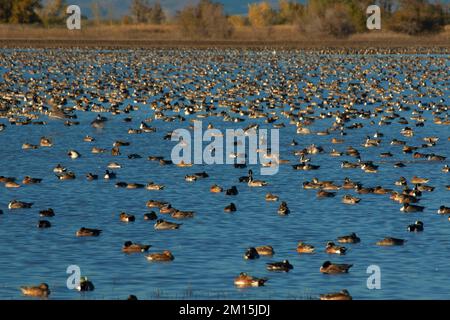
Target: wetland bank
[{"x": 363, "y": 148}]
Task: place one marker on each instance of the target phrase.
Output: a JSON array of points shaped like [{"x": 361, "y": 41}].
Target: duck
[
  {"x": 73, "y": 154},
  {"x": 417, "y": 180},
  {"x": 41, "y": 290},
  {"x": 88, "y": 232},
  {"x": 179, "y": 214},
  {"x": 244, "y": 280},
  {"x": 325, "y": 194},
  {"x": 255, "y": 183},
  {"x": 305, "y": 248},
  {"x": 341, "y": 295},
  {"x": 251, "y": 254},
  {"x": 135, "y": 186},
  {"x": 12, "y": 184},
  {"x": 166, "y": 255},
  {"x": 69, "y": 175},
  {"x": 416, "y": 227},
  {"x": 351, "y": 238},
  {"x": 47, "y": 213},
  {"x": 29, "y": 180},
  {"x": 43, "y": 224},
  {"x": 130, "y": 247},
  {"x": 265, "y": 250},
  {"x": 154, "y": 186},
  {"x": 45, "y": 142},
  {"x": 59, "y": 169},
  {"x": 215, "y": 189},
  {"x": 348, "y": 184},
  {"x": 29, "y": 146},
  {"x": 114, "y": 165},
  {"x": 446, "y": 169},
  {"x": 389, "y": 241},
  {"x": 401, "y": 182},
  {"x": 411, "y": 208},
  {"x": 230, "y": 208},
  {"x": 166, "y": 225},
  {"x": 150, "y": 216},
  {"x": 14, "y": 204},
  {"x": 334, "y": 268},
  {"x": 156, "y": 204},
  {"x": 125, "y": 217},
  {"x": 233, "y": 191},
  {"x": 91, "y": 177},
  {"x": 348, "y": 199},
  {"x": 283, "y": 209},
  {"x": 88, "y": 139},
  {"x": 271, "y": 197},
  {"x": 284, "y": 266},
  {"x": 85, "y": 285},
  {"x": 109, "y": 175},
  {"x": 331, "y": 248},
  {"x": 443, "y": 210}
]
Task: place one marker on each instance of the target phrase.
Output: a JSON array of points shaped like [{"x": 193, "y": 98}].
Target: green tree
[{"x": 24, "y": 11}]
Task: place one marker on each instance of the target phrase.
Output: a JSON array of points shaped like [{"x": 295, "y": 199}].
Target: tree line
[{"x": 208, "y": 19}]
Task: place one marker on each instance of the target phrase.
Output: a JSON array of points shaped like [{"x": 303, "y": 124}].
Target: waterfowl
[
  {"x": 331, "y": 248},
  {"x": 446, "y": 169},
  {"x": 166, "y": 225},
  {"x": 351, "y": 238},
  {"x": 73, "y": 154},
  {"x": 417, "y": 180},
  {"x": 109, "y": 175},
  {"x": 156, "y": 204},
  {"x": 363, "y": 190},
  {"x": 130, "y": 247},
  {"x": 115, "y": 151},
  {"x": 233, "y": 191},
  {"x": 179, "y": 214},
  {"x": 66, "y": 176},
  {"x": 271, "y": 197},
  {"x": 348, "y": 199},
  {"x": 443, "y": 210},
  {"x": 284, "y": 266},
  {"x": 348, "y": 184},
  {"x": 44, "y": 224},
  {"x": 389, "y": 241},
  {"x": 325, "y": 194},
  {"x": 29, "y": 146},
  {"x": 215, "y": 189},
  {"x": 91, "y": 177},
  {"x": 41, "y": 290},
  {"x": 411, "y": 208},
  {"x": 154, "y": 186},
  {"x": 150, "y": 216},
  {"x": 342, "y": 295},
  {"x": 183, "y": 164},
  {"x": 244, "y": 280},
  {"x": 135, "y": 186},
  {"x": 166, "y": 255},
  {"x": 255, "y": 183},
  {"x": 45, "y": 142},
  {"x": 265, "y": 250},
  {"x": 401, "y": 182},
  {"x": 416, "y": 227},
  {"x": 12, "y": 184},
  {"x": 114, "y": 165},
  {"x": 305, "y": 248},
  {"x": 14, "y": 204},
  {"x": 251, "y": 254},
  {"x": 120, "y": 143},
  {"x": 88, "y": 232},
  {"x": 334, "y": 268},
  {"x": 2, "y": 127},
  {"x": 47, "y": 213},
  {"x": 230, "y": 208},
  {"x": 422, "y": 187},
  {"x": 190, "y": 178},
  {"x": 96, "y": 150},
  {"x": 29, "y": 180},
  {"x": 283, "y": 209},
  {"x": 125, "y": 217},
  {"x": 88, "y": 139},
  {"x": 59, "y": 169},
  {"x": 85, "y": 285}
]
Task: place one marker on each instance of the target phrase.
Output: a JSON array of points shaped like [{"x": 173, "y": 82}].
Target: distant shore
[{"x": 136, "y": 36}]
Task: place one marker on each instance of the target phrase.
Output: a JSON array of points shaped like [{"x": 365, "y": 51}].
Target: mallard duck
[
  {"x": 245, "y": 280},
  {"x": 305, "y": 248},
  {"x": 334, "y": 268},
  {"x": 14, "y": 204},
  {"x": 88, "y": 232},
  {"x": 342, "y": 295},
  {"x": 166, "y": 225},
  {"x": 130, "y": 247},
  {"x": 179, "y": 214},
  {"x": 389, "y": 241},
  {"x": 284, "y": 266},
  {"x": 351, "y": 238},
  {"x": 166, "y": 255},
  {"x": 331, "y": 248},
  {"x": 230, "y": 208},
  {"x": 125, "y": 217},
  {"x": 265, "y": 250},
  {"x": 251, "y": 254},
  {"x": 41, "y": 290},
  {"x": 416, "y": 227}
]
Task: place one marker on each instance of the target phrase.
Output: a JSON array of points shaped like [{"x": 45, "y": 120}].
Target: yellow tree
[{"x": 261, "y": 14}]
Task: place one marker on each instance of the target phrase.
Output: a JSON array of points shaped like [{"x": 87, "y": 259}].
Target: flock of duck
[{"x": 192, "y": 88}]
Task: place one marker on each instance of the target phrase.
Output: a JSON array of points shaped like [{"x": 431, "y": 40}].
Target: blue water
[{"x": 209, "y": 249}]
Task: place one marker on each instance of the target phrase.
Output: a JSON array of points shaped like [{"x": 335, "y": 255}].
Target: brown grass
[{"x": 169, "y": 35}]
